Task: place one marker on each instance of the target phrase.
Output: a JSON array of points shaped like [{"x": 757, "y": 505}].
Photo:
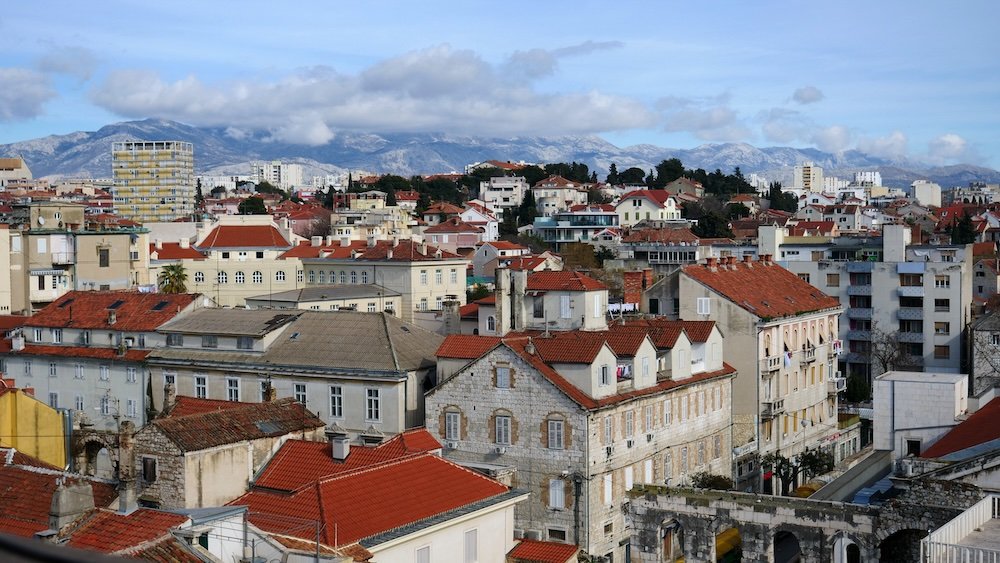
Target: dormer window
[
  {"x": 209, "y": 341},
  {"x": 175, "y": 339},
  {"x": 244, "y": 343}
]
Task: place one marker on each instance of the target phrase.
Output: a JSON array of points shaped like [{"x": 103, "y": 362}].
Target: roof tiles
[
  {"x": 549, "y": 280},
  {"x": 133, "y": 311},
  {"x": 109, "y": 532},
  {"x": 534, "y": 551},
  {"x": 244, "y": 236},
  {"x": 982, "y": 426}
]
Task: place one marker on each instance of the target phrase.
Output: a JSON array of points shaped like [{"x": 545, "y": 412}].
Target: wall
[
  {"x": 171, "y": 471},
  {"x": 32, "y": 427},
  {"x": 916, "y": 406},
  {"x": 217, "y": 475}
]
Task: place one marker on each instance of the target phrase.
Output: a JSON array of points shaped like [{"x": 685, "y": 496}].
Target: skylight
[{"x": 116, "y": 304}]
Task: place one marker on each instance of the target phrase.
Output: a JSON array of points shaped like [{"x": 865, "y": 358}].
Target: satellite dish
[{"x": 41, "y": 220}]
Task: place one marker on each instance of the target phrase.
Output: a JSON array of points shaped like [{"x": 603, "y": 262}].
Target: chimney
[
  {"x": 388, "y": 254},
  {"x": 502, "y": 301},
  {"x": 748, "y": 260},
  {"x": 711, "y": 263},
  {"x": 345, "y": 241},
  {"x": 517, "y": 294},
  {"x": 423, "y": 248},
  {"x": 452, "y": 315},
  {"x": 647, "y": 278},
  {"x": 530, "y": 347},
  {"x": 169, "y": 397},
  {"x": 112, "y": 317},
  {"x": 371, "y": 241},
  {"x": 185, "y": 243},
  {"x": 329, "y": 240},
  {"x": 127, "y": 500},
  {"x": 159, "y": 244},
  {"x": 316, "y": 241},
  {"x": 395, "y": 241},
  {"x": 340, "y": 446},
  {"x": 69, "y": 502},
  {"x": 270, "y": 393}
]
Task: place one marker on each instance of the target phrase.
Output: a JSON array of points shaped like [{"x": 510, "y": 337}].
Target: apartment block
[{"x": 153, "y": 180}]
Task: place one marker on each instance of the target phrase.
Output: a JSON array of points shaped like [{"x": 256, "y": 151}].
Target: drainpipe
[{"x": 577, "y": 487}]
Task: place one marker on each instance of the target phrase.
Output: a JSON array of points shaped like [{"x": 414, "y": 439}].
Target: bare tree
[{"x": 887, "y": 352}]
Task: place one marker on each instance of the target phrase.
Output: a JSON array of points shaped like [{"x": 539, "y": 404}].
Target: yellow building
[
  {"x": 153, "y": 180},
  {"x": 31, "y": 426}
]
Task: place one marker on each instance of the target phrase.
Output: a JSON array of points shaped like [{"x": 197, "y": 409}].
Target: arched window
[
  {"x": 199, "y": 277},
  {"x": 240, "y": 277},
  {"x": 322, "y": 277},
  {"x": 354, "y": 277},
  {"x": 491, "y": 324},
  {"x": 257, "y": 277},
  {"x": 279, "y": 276}
]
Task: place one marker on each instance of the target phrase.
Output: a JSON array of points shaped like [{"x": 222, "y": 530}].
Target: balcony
[
  {"x": 970, "y": 536},
  {"x": 857, "y": 267},
  {"x": 745, "y": 449},
  {"x": 861, "y": 313},
  {"x": 835, "y": 385},
  {"x": 859, "y": 289},
  {"x": 910, "y": 336},
  {"x": 808, "y": 355},
  {"x": 63, "y": 257},
  {"x": 772, "y": 408},
  {"x": 910, "y": 313},
  {"x": 911, "y": 291},
  {"x": 770, "y": 364},
  {"x": 859, "y": 335}
]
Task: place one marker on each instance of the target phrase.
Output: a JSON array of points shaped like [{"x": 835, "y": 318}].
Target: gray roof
[
  {"x": 989, "y": 322},
  {"x": 321, "y": 341},
  {"x": 327, "y": 293},
  {"x": 233, "y": 322}
]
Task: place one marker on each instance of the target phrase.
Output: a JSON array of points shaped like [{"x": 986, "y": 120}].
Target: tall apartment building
[
  {"x": 153, "y": 180},
  {"x": 279, "y": 174},
  {"x": 809, "y": 177},
  {"x": 918, "y": 295}
]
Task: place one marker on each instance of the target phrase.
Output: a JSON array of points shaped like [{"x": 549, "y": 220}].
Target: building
[
  {"x": 85, "y": 352},
  {"x": 544, "y": 300},
  {"x": 362, "y": 297},
  {"x": 926, "y": 193},
  {"x": 31, "y": 426},
  {"x": 503, "y": 192},
  {"x": 580, "y": 223},
  {"x": 555, "y": 194},
  {"x": 395, "y": 502},
  {"x": 647, "y": 205},
  {"x": 915, "y": 409},
  {"x": 366, "y": 372},
  {"x": 13, "y": 169},
  {"x": 808, "y": 176},
  {"x": 984, "y": 336},
  {"x": 455, "y": 235},
  {"x": 153, "y": 180},
  {"x": 283, "y": 175},
  {"x": 202, "y": 452}
]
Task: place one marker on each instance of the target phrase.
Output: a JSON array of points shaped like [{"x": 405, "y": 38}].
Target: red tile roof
[
  {"x": 300, "y": 462},
  {"x": 764, "y": 289},
  {"x": 187, "y": 406},
  {"x": 453, "y": 225},
  {"x": 697, "y": 331},
  {"x": 562, "y": 281},
  {"x": 404, "y": 251},
  {"x": 136, "y": 312},
  {"x": 555, "y": 181},
  {"x": 132, "y": 355},
  {"x": 506, "y": 165},
  {"x": 250, "y": 422},
  {"x": 359, "y": 504},
  {"x": 109, "y": 531},
  {"x": 440, "y": 207},
  {"x": 244, "y": 236},
  {"x": 505, "y": 245},
  {"x": 534, "y": 551},
  {"x": 530, "y": 263},
  {"x": 470, "y": 311},
  {"x": 466, "y": 346},
  {"x": 657, "y": 197},
  {"x": 982, "y": 426},
  {"x": 168, "y": 550},
  {"x": 174, "y": 251},
  {"x": 665, "y": 236},
  {"x": 592, "y": 207}
]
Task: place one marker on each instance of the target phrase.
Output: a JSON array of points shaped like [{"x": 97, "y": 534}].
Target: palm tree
[{"x": 173, "y": 279}]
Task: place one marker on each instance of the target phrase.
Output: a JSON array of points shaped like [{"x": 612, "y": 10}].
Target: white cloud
[
  {"x": 835, "y": 138},
  {"x": 807, "y": 95},
  {"x": 949, "y": 149},
  {"x": 781, "y": 125},
  {"x": 893, "y": 145},
  {"x": 708, "y": 118},
  {"x": 23, "y": 93},
  {"x": 78, "y": 62},
  {"x": 434, "y": 89}
]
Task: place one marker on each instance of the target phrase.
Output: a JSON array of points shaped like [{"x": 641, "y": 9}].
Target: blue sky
[{"x": 897, "y": 79}]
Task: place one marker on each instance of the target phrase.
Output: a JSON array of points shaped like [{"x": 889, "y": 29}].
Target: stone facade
[
  {"x": 160, "y": 481},
  {"x": 579, "y": 482}
]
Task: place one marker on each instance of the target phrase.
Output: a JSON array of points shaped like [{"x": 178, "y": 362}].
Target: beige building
[
  {"x": 13, "y": 169},
  {"x": 153, "y": 180}
]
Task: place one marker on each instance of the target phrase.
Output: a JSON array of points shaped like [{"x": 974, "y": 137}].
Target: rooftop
[
  {"x": 981, "y": 428},
  {"x": 244, "y": 236},
  {"x": 550, "y": 280},
  {"x": 133, "y": 311},
  {"x": 328, "y": 292},
  {"x": 110, "y": 532},
  {"x": 534, "y": 551}
]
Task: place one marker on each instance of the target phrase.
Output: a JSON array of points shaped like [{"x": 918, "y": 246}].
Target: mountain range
[{"x": 221, "y": 150}]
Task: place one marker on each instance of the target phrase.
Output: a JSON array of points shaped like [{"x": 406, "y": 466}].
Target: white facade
[
  {"x": 809, "y": 177},
  {"x": 279, "y": 174},
  {"x": 503, "y": 192},
  {"x": 914, "y": 409},
  {"x": 927, "y": 193}
]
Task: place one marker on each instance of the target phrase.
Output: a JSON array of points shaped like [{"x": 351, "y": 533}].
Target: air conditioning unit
[
  {"x": 649, "y": 437},
  {"x": 533, "y": 535},
  {"x": 451, "y": 444},
  {"x": 500, "y": 450},
  {"x": 629, "y": 443}
]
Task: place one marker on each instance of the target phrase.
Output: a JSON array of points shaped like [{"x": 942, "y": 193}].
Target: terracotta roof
[
  {"x": 555, "y": 181},
  {"x": 570, "y": 347},
  {"x": 657, "y": 197},
  {"x": 360, "y": 504},
  {"x": 505, "y": 245},
  {"x": 187, "y": 406},
  {"x": 592, "y": 207},
  {"x": 109, "y": 531},
  {"x": 530, "y": 263},
  {"x": 506, "y": 165},
  {"x": 439, "y": 207},
  {"x": 404, "y": 251},
  {"x": 453, "y": 225},
  {"x": 300, "y": 462},
  {"x": 8, "y": 322},
  {"x": 134, "y": 311},
  {"x": 489, "y": 300},
  {"x": 470, "y": 310},
  {"x": 407, "y": 195},
  {"x": 167, "y": 550},
  {"x": 562, "y": 281},
  {"x": 466, "y": 346},
  {"x": 244, "y": 236},
  {"x": 665, "y": 236},
  {"x": 132, "y": 355},
  {"x": 764, "y": 289},
  {"x": 984, "y": 249},
  {"x": 982, "y": 426},
  {"x": 534, "y": 551},
  {"x": 174, "y": 251},
  {"x": 665, "y": 332},
  {"x": 254, "y": 420}
]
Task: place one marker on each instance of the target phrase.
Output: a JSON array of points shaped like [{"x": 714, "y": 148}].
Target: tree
[
  {"x": 887, "y": 352},
  {"x": 476, "y": 292},
  {"x": 780, "y": 200},
  {"x": 596, "y": 195},
  {"x": 578, "y": 256},
  {"x": 328, "y": 197},
  {"x": 667, "y": 171},
  {"x": 528, "y": 210},
  {"x": 963, "y": 231},
  {"x": 705, "y": 480},
  {"x": 712, "y": 225},
  {"x": 633, "y": 176},
  {"x": 265, "y": 187},
  {"x": 199, "y": 196},
  {"x": 172, "y": 279},
  {"x": 737, "y": 211},
  {"x": 532, "y": 174},
  {"x": 252, "y": 206},
  {"x": 604, "y": 253},
  {"x": 423, "y": 202},
  {"x": 808, "y": 464},
  {"x": 612, "y": 178}
]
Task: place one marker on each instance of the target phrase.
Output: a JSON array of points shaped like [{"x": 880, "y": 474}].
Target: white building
[
  {"x": 503, "y": 192},
  {"x": 926, "y": 192},
  {"x": 809, "y": 177},
  {"x": 914, "y": 409},
  {"x": 284, "y": 175}
]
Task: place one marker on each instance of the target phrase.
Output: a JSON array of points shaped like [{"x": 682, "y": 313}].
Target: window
[
  {"x": 423, "y": 555},
  {"x": 503, "y": 429},
  {"x": 557, "y": 494},
  {"x": 668, "y": 415},
  {"x": 222, "y": 278},
  {"x": 804, "y": 277},
  {"x": 629, "y": 424},
  {"x": 240, "y": 277},
  {"x": 200, "y": 387},
  {"x": 299, "y": 391},
  {"x": 225, "y": 256},
  {"x": 78, "y": 404},
  {"x": 279, "y": 276},
  {"x": 260, "y": 255},
  {"x": 565, "y": 306},
  {"x": 438, "y": 276},
  {"x": 105, "y": 405},
  {"x": 232, "y": 389},
  {"x": 942, "y": 352},
  {"x": 912, "y": 448},
  {"x": 343, "y": 276},
  {"x": 994, "y": 340},
  {"x": 684, "y": 459},
  {"x": 131, "y": 410},
  {"x": 257, "y": 277},
  {"x": 174, "y": 339},
  {"x": 53, "y": 369},
  {"x": 608, "y": 430},
  {"x": 453, "y": 276},
  {"x": 130, "y": 375},
  {"x": 605, "y": 375},
  {"x": 423, "y": 277},
  {"x": 556, "y": 436},
  {"x": 299, "y": 275},
  {"x": 199, "y": 277},
  {"x": 312, "y": 276},
  {"x": 911, "y": 280},
  {"x": 648, "y": 424},
  {"x": 942, "y": 281},
  {"x": 103, "y": 257},
  {"x": 57, "y": 335},
  {"x": 942, "y": 305},
  {"x": 37, "y": 335},
  {"x": 704, "y": 306},
  {"x": 423, "y": 304},
  {"x": 209, "y": 341},
  {"x": 833, "y": 280},
  {"x": 54, "y": 400},
  {"x": 716, "y": 447},
  {"x": 27, "y": 368},
  {"x": 629, "y": 478},
  {"x": 438, "y": 303},
  {"x": 244, "y": 342},
  {"x": 471, "y": 546},
  {"x": 371, "y": 307},
  {"x": 598, "y": 307},
  {"x": 538, "y": 308},
  {"x": 169, "y": 378},
  {"x": 608, "y": 500},
  {"x": 701, "y": 452},
  {"x": 373, "y": 405},
  {"x": 942, "y": 328},
  {"x": 149, "y": 469},
  {"x": 452, "y": 425},
  {"x": 322, "y": 277},
  {"x": 503, "y": 377}
]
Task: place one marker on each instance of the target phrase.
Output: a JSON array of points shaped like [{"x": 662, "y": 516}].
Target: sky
[{"x": 916, "y": 79}]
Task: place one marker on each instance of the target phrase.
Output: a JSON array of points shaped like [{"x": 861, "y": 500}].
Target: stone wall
[{"x": 168, "y": 488}]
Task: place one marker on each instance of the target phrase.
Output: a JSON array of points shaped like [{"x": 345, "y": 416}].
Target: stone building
[
  {"x": 584, "y": 416},
  {"x": 204, "y": 452}
]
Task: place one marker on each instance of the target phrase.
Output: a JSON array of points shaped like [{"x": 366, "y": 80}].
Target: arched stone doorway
[
  {"x": 903, "y": 545},
  {"x": 845, "y": 550},
  {"x": 96, "y": 454},
  {"x": 786, "y": 548}
]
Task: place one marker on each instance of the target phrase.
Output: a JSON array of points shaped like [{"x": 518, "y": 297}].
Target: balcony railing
[
  {"x": 910, "y": 313},
  {"x": 809, "y": 354},
  {"x": 835, "y": 385},
  {"x": 859, "y": 290},
  {"x": 63, "y": 257},
  {"x": 770, "y": 364},
  {"x": 740, "y": 451},
  {"x": 910, "y": 336},
  {"x": 863, "y": 313},
  {"x": 911, "y": 291},
  {"x": 772, "y": 408},
  {"x": 859, "y": 335},
  {"x": 950, "y": 542}
]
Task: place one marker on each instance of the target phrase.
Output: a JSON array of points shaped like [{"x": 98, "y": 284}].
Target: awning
[{"x": 47, "y": 272}]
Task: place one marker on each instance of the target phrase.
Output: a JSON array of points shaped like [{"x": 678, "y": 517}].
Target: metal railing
[{"x": 944, "y": 544}]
